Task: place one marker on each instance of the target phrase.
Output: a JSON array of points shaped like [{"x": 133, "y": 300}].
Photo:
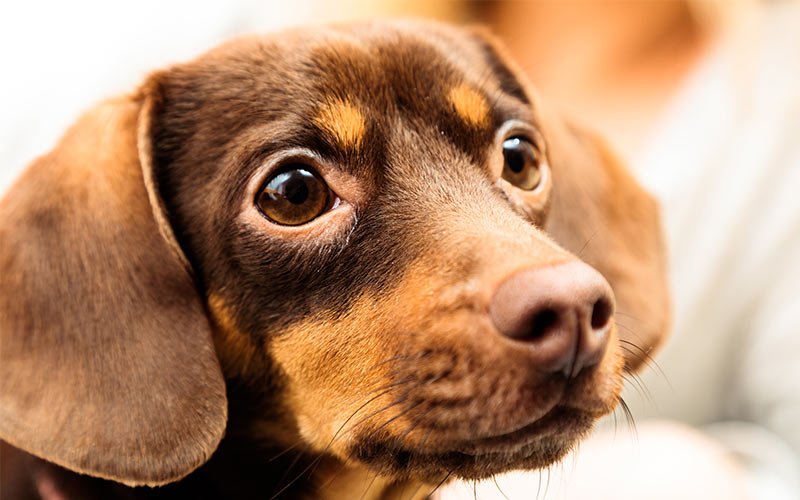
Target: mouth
[
  {"x": 557, "y": 423},
  {"x": 534, "y": 446}
]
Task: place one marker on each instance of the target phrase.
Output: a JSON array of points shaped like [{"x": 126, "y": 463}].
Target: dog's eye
[
  {"x": 521, "y": 167},
  {"x": 294, "y": 195}
]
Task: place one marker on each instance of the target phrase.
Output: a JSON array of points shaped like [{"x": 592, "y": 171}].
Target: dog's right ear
[{"x": 107, "y": 365}]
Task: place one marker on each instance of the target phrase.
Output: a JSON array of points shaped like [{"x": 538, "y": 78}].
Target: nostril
[
  {"x": 542, "y": 322},
  {"x": 601, "y": 313},
  {"x": 559, "y": 314}
]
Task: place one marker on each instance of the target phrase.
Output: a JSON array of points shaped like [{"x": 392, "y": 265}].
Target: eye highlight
[
  {"x": 295, "y": 195},
  {"x": 522, "y": 163}
]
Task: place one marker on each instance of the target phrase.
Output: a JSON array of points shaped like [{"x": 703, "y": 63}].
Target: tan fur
[
  {"x": 235, "y": 349},
  {"x": 342, "y": 121},
  {"x": 469, "y": 104}
]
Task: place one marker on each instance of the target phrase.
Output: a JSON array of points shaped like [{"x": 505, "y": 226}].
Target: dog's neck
[
  {"x": 298, "y": 474},
  {"x": 266, "y": 457},
  {"x": 336, "y": 480}
]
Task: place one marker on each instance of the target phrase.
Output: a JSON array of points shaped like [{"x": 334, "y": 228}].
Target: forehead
[
  {"x": 342, "y": 91},
  {"x": 387, "y": 66}
]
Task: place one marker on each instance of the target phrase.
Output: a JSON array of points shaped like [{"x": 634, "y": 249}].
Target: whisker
[
  {"x": 587, "y": 242},
  {"x": 634, "y": 318},
  {"x": 416, "y": 357},
  {"x": 425, "y": 439},
  {"x": 408, "y": 431},
  {"x": 391, "y": 387},
  {"x": 494, "y": 479},
  {"x": 645, "y": 354},
  {"x": 539, "y": 486},
  {"x": 285, "y": 451},
  {"x": 333, "y": 476},
  {"x": 316, "y": 461},
  {"x": 430, "y": 493},
  {"x": 649, "y": 360},
  {"x": 547, "y": 484},
  {"x": 389, "y": 360},
  {"x": 384, "y": 387},
  {"x": 396, "y": 416},
  {"x": 637, "y": 383},
  {"x": 369, "y": 486},
  {"x": 629, "y": 418},
  {"x": 288, "y": 469},
  {"x": 390, "y": 405},
  {"x": 416, "y": 490},
  {"x": 409, "y": 389},
  {"x": 636, "y": 355},
  {"x": 629, "y": 315}
]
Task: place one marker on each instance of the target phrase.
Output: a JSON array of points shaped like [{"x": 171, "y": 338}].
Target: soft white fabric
[
  {"x": 61, "y": 58},
  {"x": 725, "y": 163}
]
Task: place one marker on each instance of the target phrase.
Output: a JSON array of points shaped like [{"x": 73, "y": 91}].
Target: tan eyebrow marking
[
  {"x": 342, "y": 121},
  {"x": 469, "y": 104}
]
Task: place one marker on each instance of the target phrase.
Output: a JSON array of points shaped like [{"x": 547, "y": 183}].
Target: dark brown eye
[
  {"x": 522, "y": 163},
  {"x": 294, "y": 195}
]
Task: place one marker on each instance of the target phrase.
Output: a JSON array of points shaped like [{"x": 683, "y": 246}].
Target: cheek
[
  {"x": 333, "y": 366},
  {"x": 343, "y": 372}
]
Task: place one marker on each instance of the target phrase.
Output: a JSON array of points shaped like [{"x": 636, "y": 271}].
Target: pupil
[
  {"x": 296, "y": 190},
  {"x": 515, "y": 160}
]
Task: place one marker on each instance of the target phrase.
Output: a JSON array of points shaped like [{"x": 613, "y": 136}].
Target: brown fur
[{"x": 146, "y": 307}]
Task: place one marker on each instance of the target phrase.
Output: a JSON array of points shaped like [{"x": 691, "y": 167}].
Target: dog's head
[{"x": 376, "y": 233}]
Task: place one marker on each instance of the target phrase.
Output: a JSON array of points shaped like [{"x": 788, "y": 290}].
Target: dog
[{"x": 343, "y": 262}]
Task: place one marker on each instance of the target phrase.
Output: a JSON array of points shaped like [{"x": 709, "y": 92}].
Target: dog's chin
[{"x": 534, "y": 446}]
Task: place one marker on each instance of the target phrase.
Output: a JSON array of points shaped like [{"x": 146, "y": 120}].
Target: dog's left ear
[
  {"x": 600, "y": 213},
  {"x": 107, "y": 365}
]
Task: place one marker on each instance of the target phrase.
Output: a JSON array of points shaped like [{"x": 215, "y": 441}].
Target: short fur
[{"x": 155, "y": 334}]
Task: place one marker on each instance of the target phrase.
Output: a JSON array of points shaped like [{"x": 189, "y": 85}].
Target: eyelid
[
  {"x": 273, "y": 164},
  {"x": 518, "y": 128},
  {"x": 344, "y": 186}
]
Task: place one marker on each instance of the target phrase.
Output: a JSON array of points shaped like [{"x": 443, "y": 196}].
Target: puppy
[{"x": 330, "y": 263}]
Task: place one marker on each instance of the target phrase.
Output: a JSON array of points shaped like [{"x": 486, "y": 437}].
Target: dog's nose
[{"x": 562, "y": 312}]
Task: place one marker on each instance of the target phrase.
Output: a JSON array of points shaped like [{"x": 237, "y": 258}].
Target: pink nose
[{"x": 563, "y": 314}]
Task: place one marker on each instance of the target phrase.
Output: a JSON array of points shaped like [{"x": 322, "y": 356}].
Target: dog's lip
[{"x": 564, "y": 422}]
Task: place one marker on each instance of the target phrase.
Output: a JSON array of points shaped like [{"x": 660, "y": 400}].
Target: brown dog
[{"x": 324, "y": 263}]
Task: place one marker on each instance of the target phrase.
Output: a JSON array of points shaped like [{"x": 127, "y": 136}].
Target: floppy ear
[
  {"x": 107, "y": 365},
  {"x": 600, "y": 213}
]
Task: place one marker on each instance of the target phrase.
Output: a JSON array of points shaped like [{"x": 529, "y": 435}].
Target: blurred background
[{"x": 702, "y": 100}]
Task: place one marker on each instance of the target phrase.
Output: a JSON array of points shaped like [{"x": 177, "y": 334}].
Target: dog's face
[{"x": 379, "y": 221}]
